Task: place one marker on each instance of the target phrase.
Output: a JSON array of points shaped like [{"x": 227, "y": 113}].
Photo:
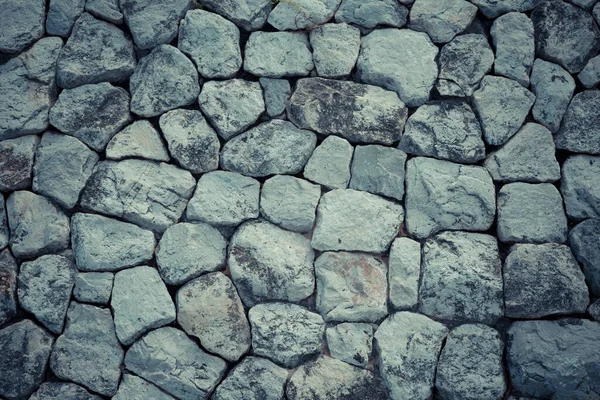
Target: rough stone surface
[
  {"x": 555, "y": 359},
  {"x": 553, "y": 88},
  {"x": 168, "y": 358},
  {"x": 62, "y": 391},
  {"x": 359, "y": 113},
  {"x": 447, "y": 130},
  {"x": 135, "y": 388},
  {"x": 278, "y": 54},
  {"x": 212, "y": 43},
  {"x": 5, "y": 233},
  {"x": 594, "y": 310},
  {"x": 163, "y": 80},
  {"x": 152, "y": 23},
  {"x": 502, "y": 106},
  {"x": 335, "y": 49},
  {"x": 401, "y": 60},
  {"x": 62, "y": 166},
  {"x": 515, "y": 46},
  {"x": 191, "y": 140},
  {"x": 470, "y": 365},
  {"x": 91, "y": 113},
  {"x": 329, "y": 164},
  {"x": 442, "y": 195},
  {"x": 93, "y": 287},
  {"x": 88, "y": 352},
  {"x": 16, "y": 162},
  {"x": 494, "y": 8},
  {"x": 584, "y": 240},
  {"x": 36, "y": 225},
  {"x": 140, "y": 302},
  {"x": 289, "y": 202},
  {"x": 441, "y": 19},
  {"x": 404, "y": 272},
  {"x": 269, "y": 263},
  {"x": 351, "y": 342},
  {"x": 247, "y": 14},
  {"x": 139, "y": 139},
  {"x": 231, "y": 106},
  {"x": 95, "y": 52},
  {"x": 580, "y": 186},
  {"x": 23, "y": 24},
  {"x": 254, "y": 378},
  {"x": 277, "y": 93},
  {"x": 371, "y": 13},
  {"x": 25, "y": 349},
  {"x": 543, "y": 280},
  {"x": 156, "y": 194},
  {"x": 590, "y": 75},
  {"x": 531, "y": 213},
  {"x": 351, "y": 287},
  {"x": 62, "y": 15},
  {"x": 8, "y": 283},
  {"x": 108, "y": 10},
  {"x": 210, "y": 309},
  {"x": 408, "y": 346},
  {"x": 301, "y": 14},
  {"x": 516, "y": 162},
  {"x": 187, "y": 251},
  {"x": 356, "y": 221},
  {"x": 465, "y": 61},
  {"x": 271, "y": 148},
  {"x": 106, "y": 244},
  {"x": 224, "y": 199},
  {"x": 285, "y": 333},
  {"x": 45, "y": 287},
  {"x": 565, "y": 34},
  {"x": 379, "y": 170},
  {"x": 580, "y": 131}
]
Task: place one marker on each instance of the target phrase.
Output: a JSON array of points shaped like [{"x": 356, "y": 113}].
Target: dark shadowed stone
[
  {"x": 371, "y": 13},
  {"x": 441, "y": 19},
  {"x": 515, "y": 46},
  {"x": 62, "y": 15},
  {"x": 135, "y": 388},
  {"x": 247, "y": 14},
  {"x": 25, "y": 348},
  {"x": 584, "y": 240},
  {"x": 139, "y": 139},
  {"x": 108, "y": 10},
  {"x": 16, "y": 162},
  {"x": 580, "y": 131},
  {"x": 335, "y": 49},
  {"x": 278, "y": 54},
  {"x": 495, "y": 8},
  {"x": 93, "y": 287},
  {"x": 23, "y": 24},
  {"x": 62, "y": 391},
  {"x": 329, "y": 164},
  {"x": 379, "y": 170},
  {"x": 351, "y": 343},
  {"x": 404, "y": 265},
  {"x": 91, "y": 113},
  {"x": 594, "y": 310},
  {"x": 254, "y": 378},
  {"x": 301, "y": 14},
  {"x": 5, "y": 233},
  {"x": 580, "y": 186},
  {"x": 8, "y": 287},
  {"x": 357, "y": 112},
  {"x": 277, "y": 92}
]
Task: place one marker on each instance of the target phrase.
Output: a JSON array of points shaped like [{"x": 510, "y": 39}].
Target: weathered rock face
[
  {"x": 16, "y": 162},
  {"x": 441, "y": 19},
  {"x": 359, "y": 113},
  {"x": 329, "y": 164},
  {"x": 247, "y": 14},
  {"x": 356, "y": 221},
  {"x": 371, "y": 13},
  {"x": 88, "y": 352},
  {"x": 168, "y": 358},
  {"x": 61, "y": 391},
  {"x": 269, "y": 263},
  {"x": 25, "y": 350},
  {"x": 62, "y": 15},
  {"x": 515, "y": 46},
  {"x": 404, "y": 265},
  {"x": 493, "y": 8},
  {"x": 8, "y": 282},
  {"x": 335, "y": 49},
  {"x": 554, "y": 358},
  {"x": 140, "y": 139},
  {"x": 285, "y": 333},
  {"x": 302, "y": 14},
  {"x": 580, "y": 186},
  {"x": 580, "y": 131},
  {"x": 134, "y": 388},
  {"x": 351, "y": 343},
  {"x": 379, "y": 170},
  {"x": 408, "y": 346},
  {"x": 95, "y": 52},
  {"x": 24, "y": 24},
  {"x": 278, "y": 54},
  {"x": 156, "y": 194},
  {"x": 254, "y": 378},
  {"x": 108, "y": 10},
  {"x": 585, "y": 244},
  {"x": 93, "y": 287},
  {"x": 210, "y": 309}
]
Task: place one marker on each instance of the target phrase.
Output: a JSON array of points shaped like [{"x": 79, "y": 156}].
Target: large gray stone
[
  {"x": 105, "y": 244},
  {"x": 108, "y": 10},
  {"x": 555, "y": 359},
  {"x": 191, "y": 140},
  {"x": 140, "y": 302},
  {"x": 590, "y": 75},
  {"x": 271, "y": 148},
  {"x": 502, "y": 105},
  {"x": 91, "y": 113},
  {"x": 277, "y": 92},
  {"x": 254, "y": 378},
  {"x": 285, "y": 333},
  {"x": 404, "y": 270},
  {"x": 231, "y": 106},
  {"x": 95, "y": 52},
  {"x": 470, "y": 365},
  {"x": 8, "y": 280},
  {"x": 151, "y": 23},
  {"x": 359, "y": 113},
  {"x": 23, "y": 24},
  {"x": 371, "y": 13},
  {"x": 379, "y": 170},
  {"x": 543, "y": 280},
  {"x": 495, "y": 8},
  {"x": 163, "y": 80},
  {"x": 45, "y": 287},
  {"x": 399, "y": 60},
  {"x": 301, "y": 14},
  {"x": 62, "y": 15},
  {"x": 135, "y": 388},
  {"x": 93, "y": 287},
  {"x": 351, "y": 343},
  {"x": 168, "y": 358},
  {"x": 36, "y": 225},
  {"x": 247, "y": 14},
  {"x": 278, "y": 54},
  {"x": 329, "y": 164},
  {"x": 16, "y": 162},
  {"x": 269, "y": 263},
  {"x": 212, "y": 43},
  {"x": 5, "y": 233},
  {"x": 27, "y": 84},
  {"x": 356, "y": 221},
  {"x": 62, "y": 391},
  {"x": 584, "y": 240},
  {"x": 531, "y": 213},
  {"x": 140, "y": 139},
  {"x": 210, "y": 309},
  {"x": 88, "y": 352},
  {"x": 448, "y": 130},
  {"x": 441, "y": 19},
  {"x": 516, "y": 160},
  {"x": 335, "y": 49},
  {"x": 515, "y": 46},
  {"x": 580, "y": 131},
  {"x": 553, "y": 88},
  {"x": 156, "y": 194},
  {"x": 565, "y": 34},
  {"x": 442, "y": 195},
  {"x": 62, "y": 166},
  {"x": 25, "y": 349},
  {"x": 408, "y": 346},
  {"x": 580, "y": 186}
]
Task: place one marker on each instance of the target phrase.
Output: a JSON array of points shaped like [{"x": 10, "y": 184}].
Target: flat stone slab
[
  {"x": 93, "y": 287},
  {"x": 580, "y": 132},
  {"x": 140, "y": 139},
  {"x": 378, "y": 170},
  {"x": 351, "y": 343},
  {"x": 254, "y": 378},
  {"x": 580, "y": 186},
  {"x": 278, "y": 54},
  {"x": 16, "y": 162},
  {"x": 585, "y": 244}
]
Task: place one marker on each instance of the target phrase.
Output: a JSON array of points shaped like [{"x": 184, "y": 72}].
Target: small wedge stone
[
  {"x": 139, "y": 139},
  {"x": 277, "y": 92},
  {"x": 16, "y": 162},
  {"x": 590, "y": 75},
  {"x": 404, "y": 273},
  {"x": 62, "y": 15},
  {"x": 329, "y": 164}
]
